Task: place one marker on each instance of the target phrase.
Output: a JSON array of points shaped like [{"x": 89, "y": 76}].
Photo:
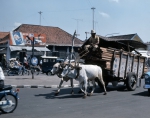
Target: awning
[
  {"x": 41, "y": 49},
  {"x": 19, "y": 48}
]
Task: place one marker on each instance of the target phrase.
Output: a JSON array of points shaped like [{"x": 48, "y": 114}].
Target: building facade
[{"x": 49, "y": 41}]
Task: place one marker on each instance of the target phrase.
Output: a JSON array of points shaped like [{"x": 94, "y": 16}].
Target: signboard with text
[{"x": 19, "y": 38}]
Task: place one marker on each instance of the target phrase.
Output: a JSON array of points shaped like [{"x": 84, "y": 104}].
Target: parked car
[{"x": 48, "y": 62}]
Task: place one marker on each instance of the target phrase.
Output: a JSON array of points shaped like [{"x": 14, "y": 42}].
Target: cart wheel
[
  {"x": 131, "y": 81},
  {"x": 149, "y": 91}
]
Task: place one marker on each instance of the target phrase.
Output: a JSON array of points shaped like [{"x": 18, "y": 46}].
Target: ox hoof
[
  {"x": 56, "y": 93},
  {"x": 105, "y": 94},
  {"x": 80, "y": 91},
  {"x": 89, "y": 94},
  {"x": 84, "y": 97}
]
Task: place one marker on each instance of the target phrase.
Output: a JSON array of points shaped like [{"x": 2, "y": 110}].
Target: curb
[{"x": 43, "y": 86}]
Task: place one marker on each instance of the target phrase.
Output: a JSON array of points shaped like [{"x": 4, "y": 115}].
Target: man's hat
[{"x": 93, "y": 32}]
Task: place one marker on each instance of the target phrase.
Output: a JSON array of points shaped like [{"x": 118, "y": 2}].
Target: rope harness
[{"x": 73, "y": 68}]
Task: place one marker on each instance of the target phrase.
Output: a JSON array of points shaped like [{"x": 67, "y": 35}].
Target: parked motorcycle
[
  {"x": 14, "y": 71},
  {"x": 8, "y": 99}
]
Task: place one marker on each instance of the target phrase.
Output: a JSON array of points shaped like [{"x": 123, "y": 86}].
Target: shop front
[{"x": 24, "y": 44}]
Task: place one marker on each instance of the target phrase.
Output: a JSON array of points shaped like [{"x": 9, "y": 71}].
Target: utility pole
[
  {"x": 95, "y": 24},
  {"x": 86, "y": 34},
  {"x": 93, "y": 8},
  {"x": 40, "y": 16},
  {"x": 77, "y": 25},
  {"x": 32, "y": 68}
]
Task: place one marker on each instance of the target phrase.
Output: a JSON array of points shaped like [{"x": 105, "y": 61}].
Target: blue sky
[{"x": 116, "y": 17}]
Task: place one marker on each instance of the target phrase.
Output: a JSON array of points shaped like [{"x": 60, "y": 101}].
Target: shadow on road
[
  {"x": 66, "y": 92},
  {"x": 120, "y": 88},
  {"x": 144, "y": 94}
]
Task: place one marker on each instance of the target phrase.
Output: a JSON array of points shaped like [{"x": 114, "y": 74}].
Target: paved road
[
  {"x": 118, "y": 103},
  {"x": 41, "y": 79}
]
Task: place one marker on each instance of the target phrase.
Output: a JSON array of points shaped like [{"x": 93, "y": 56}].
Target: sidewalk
[{"x": 39, "y": 81}]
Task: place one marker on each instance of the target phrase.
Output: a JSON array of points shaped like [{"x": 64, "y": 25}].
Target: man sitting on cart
[{"x": 92, "y": 42}]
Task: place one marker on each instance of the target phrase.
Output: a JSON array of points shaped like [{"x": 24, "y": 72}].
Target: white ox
[
  {"x": 57, "y": 69},
  {"x": 84, "y": 73}
]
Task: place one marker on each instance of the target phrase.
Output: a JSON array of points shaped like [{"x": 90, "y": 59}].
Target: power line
[{"x": 89, "y": 3}]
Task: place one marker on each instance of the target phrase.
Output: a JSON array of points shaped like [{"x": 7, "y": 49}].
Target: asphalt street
[
  {"x": 118, "y": 103},
  {"x": 41, "y": 80}
]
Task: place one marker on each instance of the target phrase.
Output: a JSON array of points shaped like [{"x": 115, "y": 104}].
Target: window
[
  {"x": 52, "y": 60},
  {"x": 45, "y": 60}
]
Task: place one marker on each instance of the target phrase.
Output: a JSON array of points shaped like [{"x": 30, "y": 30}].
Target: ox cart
[{"x": 117, "y": 61}]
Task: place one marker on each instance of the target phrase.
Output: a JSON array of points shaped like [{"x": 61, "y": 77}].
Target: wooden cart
[{"x": 118, "y": 63}]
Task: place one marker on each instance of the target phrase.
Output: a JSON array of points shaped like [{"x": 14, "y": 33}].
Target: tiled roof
[
  {"x": 3, "y": 34},
  {"x": 54, "y": 35},
  {"x": 128, "y": 36}
]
